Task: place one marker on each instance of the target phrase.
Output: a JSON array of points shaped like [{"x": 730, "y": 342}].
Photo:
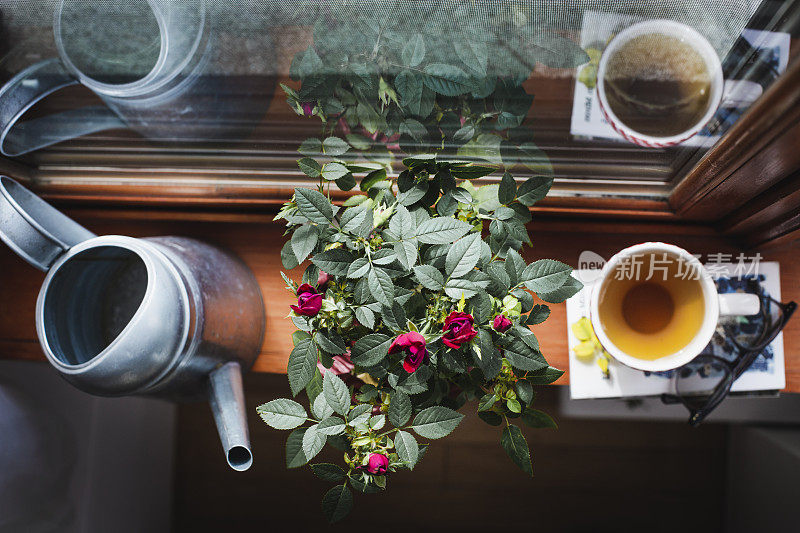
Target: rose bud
[
  {"x": 308, "y": 108},
  {"x": 501, "y": 323},
  {"x": 322, "y": 280},
  {"x": 309, "y": 302},
  {"x": 413, "y": 344},
  {"x": 376, "y": 409},
  {"x": 378, "y": 463},
  {"x": 458, "y": 329}
]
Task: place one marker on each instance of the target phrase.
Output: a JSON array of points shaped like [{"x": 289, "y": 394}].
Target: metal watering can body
[{"x": 170, "y": 317}]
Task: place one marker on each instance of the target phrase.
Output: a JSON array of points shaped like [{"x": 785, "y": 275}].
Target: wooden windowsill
[{"x": 257, "y": 241}]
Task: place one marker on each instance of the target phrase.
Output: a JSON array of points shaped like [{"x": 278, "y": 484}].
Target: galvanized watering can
[{"x": 168, "y": 317}]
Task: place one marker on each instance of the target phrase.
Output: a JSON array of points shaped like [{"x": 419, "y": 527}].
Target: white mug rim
[
  {"x": 700, "y": 340},
  {"x": 698, "y": 42}
]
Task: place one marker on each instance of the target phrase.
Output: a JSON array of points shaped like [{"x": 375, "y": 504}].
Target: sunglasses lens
[{"x": 697, "y": 381}]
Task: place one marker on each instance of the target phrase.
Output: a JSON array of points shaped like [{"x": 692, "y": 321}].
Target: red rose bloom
[
  {"x": 501, "y": 323},
  {"x": 458, "y": 329},
  {"x": 414, "y": 345},
  {"x": 308, "y": 301},
  {"x": 378, "y": 463}
]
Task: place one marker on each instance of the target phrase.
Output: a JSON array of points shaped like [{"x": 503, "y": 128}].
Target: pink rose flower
[
  {"x": 413, "y": 344},
  {"x": 308, "y": 108},
  {"x": 309, "y": 302},
  {"x": 501, "y": 323},
  {"x": 458, "y": 329},
  {"x": 378, "y": 463}
]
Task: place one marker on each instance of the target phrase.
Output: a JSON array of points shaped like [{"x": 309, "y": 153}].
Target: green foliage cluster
[
  {"x": 430, "y": 76},
  {"x": 401, "y": 256}
]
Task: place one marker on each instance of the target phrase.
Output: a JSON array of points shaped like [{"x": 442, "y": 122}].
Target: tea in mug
[
  {"x": 658, "y": 85},
  {"x": 652, "y": 306}
]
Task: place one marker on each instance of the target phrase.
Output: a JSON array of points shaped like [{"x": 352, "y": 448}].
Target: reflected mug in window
[
  {"x": 659, "y": 83},
  {"x": 138, "y": 56},
  {"x": 655, "y": 307}
]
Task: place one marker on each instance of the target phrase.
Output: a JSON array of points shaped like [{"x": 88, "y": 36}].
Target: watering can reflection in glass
[
  {"x": 158, "y": 66},
  {"x": 168, "y": 317}
]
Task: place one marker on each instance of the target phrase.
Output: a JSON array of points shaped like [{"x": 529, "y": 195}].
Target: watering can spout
[{"x": 226, "y": 397}]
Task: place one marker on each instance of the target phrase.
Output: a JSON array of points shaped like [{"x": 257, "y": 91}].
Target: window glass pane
[{"x": 193, "y": 91}]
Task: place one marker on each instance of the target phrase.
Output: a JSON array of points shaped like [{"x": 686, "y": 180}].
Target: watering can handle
[
  {"x": 35, "y": 230},
  {"x": 24, "y": 90}
]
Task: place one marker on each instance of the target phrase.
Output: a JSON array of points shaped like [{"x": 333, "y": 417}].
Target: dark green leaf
[
  {"x": 313, "y": 205},
  {"x": 334, "y": 171},
  {"x": 337, "y": 503},
  {"x": 336, "y": 393},
  {"x": 334, "y": 146},
  {"x": 545, "y": 275},
  {"x": 472, "y": 172},
  {"x": 288, "y": 259},
  {"x": 282, "y": 413},
  {"x": 407, "y": 448},
  {"x": 381, "y": 286},
  {"x": 409, "y": 87},
  {"x": 533, "y": 190},
  {"x": 302, "y": 363},
  {"x": 329, "y": 472},
  {"x": 491, "y": 418},
  {"x": 430, "y": 277},
  {"x": 335, "y": 262},
  {"x": 346, "y": 182},
  {"x": 508, "y": 189},
  {"x": 538, "y": 314},
  {"x": 399, "y": 409},
  {"x": 304, "y": 239},
  {"x": 294, "y": 449},
  {"x": 309, "y": 167},
  {"x": 441, "y": 230},
  {"x": 487, "y": 402},
  {"x": 414, "y": 51},
  {"x": 447, "y": 80},
  {"x": 538, "y": 419},
  {"x": 436, "y": 422},
  {"x": 463, "y": 255},
  {"x": 515, "y": 445},
  {"x": 406, "y": 252},
  {"x": 311, "y": 147},
  {"x": 556, "y": 51},
  {"x": 524, "y": 391},
  {"x": 366, "y": 317},
  {"x": 569, "y": 289},
  {"x": 313, "y": 442},
  {"x": 370, "y": 349},
  {"x": 472, "y": 50},
  {"x": 458, "y": 288},
  {"x": 372, "y": 178},
  {"x": 544, "y": 376},
  {"x": 330, "y": 342},
  {"x": 523, "y": 357},
  {"x": 534, "y": 159}
]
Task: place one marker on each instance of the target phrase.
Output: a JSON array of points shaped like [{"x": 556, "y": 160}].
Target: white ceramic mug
[
  {"x": 716, "y": 305},
  {"x": 687, "y": 35}
]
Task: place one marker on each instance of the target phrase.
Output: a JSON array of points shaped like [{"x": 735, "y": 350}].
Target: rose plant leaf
[
  {"x": 407, "y": 448},
  {"x": 491, "y": 418},
  {"x": 490, "y": 361},
  {"x": 436, "y": 422},
  {"x": 538, "y": 419},
  {"x": 533, "y": 190},
  {"x": 346, "y": 182},
  {"x": 310, "y": 167},
  {"x": 515, "y": 266},
  {"x": 406, "y": 252},
  {"x": 335, "y": 262},
  {"x": 429, "y": 277},
  {"x": 359, "y": 414},
  {"x": 474, "y": 53},
  {"x": 371, "y": 349},
  {"x": 301, "y": 366},
  {"x": 545, "y": 275},
  {"x": 381, "y": 286},
  {"x": 336, "y": 393},
  {"x": 570, "y": 288},
  {"x": 314, "y": 387},
  {"x": 524, "y": 391},
  {"x": 545, "y": 376},
  {"x": 329, "y": 472},
  {"x": 521, "y": 356},
  {"x": 463, "y": 255},
  {"x": 508, "y": 189},
  {"x": 400, "y": 409},
  {"x": 294, "y": 449},
  {"x": 409, "y": 87},
  {"x": 394, "y": 316},
  {"x": 414, "y": 194},
  {"x": 331, "y": 343},
  {"x": 334, "y": 146},
  {"x": 447, "y": 80},
  {"x": 282, "y": 413},
  {"x": 402, "y": 224},
  {"x": 313, "y": 442},
  {"x": 535, "y": 159},
  {"x": 333, "y": 171},
  {"x": 365, "y": 316},
  {"x": 538, "y": 314},
  {"x": 288, "y": 259},
  {"x": 332, "y": 425},
  {"x": 337, "y": 503},
  {"x": 314, "y": 205},
  {"x": 320, "y": 407},
  {"x": 358, "y": 268},
  {"x": 461, "y": 288},
  {"x": 515, "y": 445},
  {"x": 415, "y": 383},
  {"x": 311, "y": 147},
  {"x": 414, "y": 51}
]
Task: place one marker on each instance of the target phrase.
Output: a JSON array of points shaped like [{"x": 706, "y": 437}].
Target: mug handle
[
  {"x": 35, "y": 230},
  {"x": 739, "y": 304},
  {"x": 30, "y": 86}
]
